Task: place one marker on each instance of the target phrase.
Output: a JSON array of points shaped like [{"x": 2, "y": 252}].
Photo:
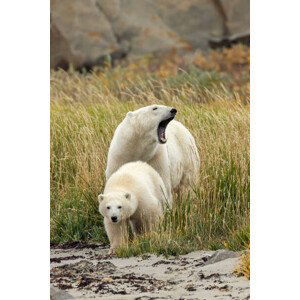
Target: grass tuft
[{"x": 244, "y": 267}]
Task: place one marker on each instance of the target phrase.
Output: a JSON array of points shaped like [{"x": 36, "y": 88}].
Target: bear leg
[
  {"x": 136, "y": 226},
  {"x": 117, "y": 234}
]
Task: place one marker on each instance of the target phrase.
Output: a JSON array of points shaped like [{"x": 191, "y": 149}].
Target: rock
[
  {"x": 238, "y": 17},
  {"x": 57, "y": 294},
  {"x": 220, "y": 255},
  {"x": 235, "y": 18},
  {"x": 190, "y": 288},
  {"x": 83, "y": 33},
  {"x": 107, "y": 279},
  {"x": 80, "y": 33}
]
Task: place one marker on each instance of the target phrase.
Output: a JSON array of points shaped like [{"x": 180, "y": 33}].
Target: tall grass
[{"x": 85, "y": 110}]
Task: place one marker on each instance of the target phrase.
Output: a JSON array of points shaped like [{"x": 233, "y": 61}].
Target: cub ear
[
  {"x": 100, "y": 197},
  {"x": 129, "y": 114},
  {"x": 127, "y": 196}
]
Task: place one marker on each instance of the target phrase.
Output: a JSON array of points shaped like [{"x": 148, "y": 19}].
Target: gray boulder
[
  {"x": 220, "y": 255},
  {"x": 80, "y": 33}
]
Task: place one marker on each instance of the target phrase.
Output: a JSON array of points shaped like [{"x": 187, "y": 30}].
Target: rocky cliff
[{"x": 84, "y": 32}]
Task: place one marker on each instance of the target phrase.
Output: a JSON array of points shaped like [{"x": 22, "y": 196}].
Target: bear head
[
  {"x": 152, "y": 120},
  {"x": 116, "y": 206}
]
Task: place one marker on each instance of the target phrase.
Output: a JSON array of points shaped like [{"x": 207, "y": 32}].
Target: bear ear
[
  {"x": 129, "y": 114},
  {"x": 127, "y": 196},
  {"x": 100, "y": 197}
]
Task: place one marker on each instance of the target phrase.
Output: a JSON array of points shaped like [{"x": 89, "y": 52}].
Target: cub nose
[
  {"x": 114, "y": 218},
  {"x": 173, "y": 111}
]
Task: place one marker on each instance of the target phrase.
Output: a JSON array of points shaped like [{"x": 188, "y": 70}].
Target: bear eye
[
  {"x": 119, "y": 207},
  {"x": 155, "y": 108},
  {"x": 108, "y": 207}
]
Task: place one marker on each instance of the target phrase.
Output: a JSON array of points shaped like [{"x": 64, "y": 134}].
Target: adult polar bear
[{"x": 151, "y": 135}]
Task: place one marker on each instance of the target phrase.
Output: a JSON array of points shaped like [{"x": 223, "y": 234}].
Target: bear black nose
[
  {"x": 173, "y": 111},
  {"x": 114, "y": 218}
]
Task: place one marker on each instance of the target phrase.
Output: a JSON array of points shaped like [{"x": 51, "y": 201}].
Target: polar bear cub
[
  {"x": 135, "y": 193},
  {"x": 151, "y": 135}
]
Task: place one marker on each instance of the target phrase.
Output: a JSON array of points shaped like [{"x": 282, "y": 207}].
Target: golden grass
[
  {"x": 243, "y": 268},
  {"x": 85, "y": 110}
]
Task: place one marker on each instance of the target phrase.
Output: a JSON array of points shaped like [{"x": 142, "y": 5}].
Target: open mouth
[{"x": 161, "y": 130}]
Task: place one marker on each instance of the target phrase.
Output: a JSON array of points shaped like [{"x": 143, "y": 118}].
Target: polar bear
[
  {"x": 151, "y": 135},
  {"x": 136, "y": 194}
]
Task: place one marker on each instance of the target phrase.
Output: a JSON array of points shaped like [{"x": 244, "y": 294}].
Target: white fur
[
  {"x": 136, "y": 138},
  {"x": 136, "y": 194},
  {"x": 183, "y": 156}
]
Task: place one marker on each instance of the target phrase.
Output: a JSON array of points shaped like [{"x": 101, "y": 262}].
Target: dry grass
[
  {"x": 244, "y": 267},
  {"x": 85, "y": 110}
]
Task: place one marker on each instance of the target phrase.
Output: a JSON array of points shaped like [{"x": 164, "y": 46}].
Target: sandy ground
[{"x": 84, "y": 271}]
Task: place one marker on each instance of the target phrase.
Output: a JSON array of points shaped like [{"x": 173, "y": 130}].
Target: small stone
[
  {"x": 107, "y": 279},
  {"x": 190, "y": 288}
]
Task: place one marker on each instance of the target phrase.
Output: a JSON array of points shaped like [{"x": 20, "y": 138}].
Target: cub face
[
  {"x": 153, "y": 119},
  {"x": 115, "y": 206}
]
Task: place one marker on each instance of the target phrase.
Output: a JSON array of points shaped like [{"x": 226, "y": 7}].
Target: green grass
[{"x": 85, "y": 110}]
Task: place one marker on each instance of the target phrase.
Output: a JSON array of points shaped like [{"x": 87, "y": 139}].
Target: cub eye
[
  {"x": 119, "y": 207},
  {"x": 108, "y": 207},
  {"x": 155, "y": 108}
]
